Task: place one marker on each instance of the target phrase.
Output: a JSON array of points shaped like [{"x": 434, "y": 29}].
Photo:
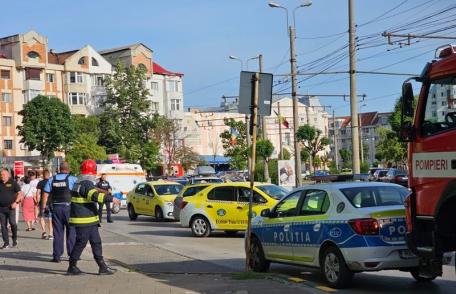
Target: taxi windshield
[
  {"x": 371, "y": 196},
  {"x": 274, "y": 191},
  {"x": 167, "y": 189}
]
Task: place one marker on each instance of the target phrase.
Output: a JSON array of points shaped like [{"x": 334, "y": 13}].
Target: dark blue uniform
[
  {"x": 84, "y": 216},
  {"x": 105, "y": 186},
  {"x": 59, "y": 189}
]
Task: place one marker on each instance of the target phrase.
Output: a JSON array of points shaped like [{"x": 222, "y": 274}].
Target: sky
[{"x": 195, "y": 37}]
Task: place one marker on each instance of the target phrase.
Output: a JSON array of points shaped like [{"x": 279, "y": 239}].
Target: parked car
[
  {"x": 204, "y": 180},
  {"x": 379, "y": 175},
  {"x": 225, "y": 206},
  {"x": 188, "y": 190},
  {"x": 346, "y": 171},
  {"x": 321, "y": 173},
  {"x": 341, "y": 228},
  {"x": 396, "y": 176},
  {"x": 371, "y": 173},
  {"x": 153, "y": 199}
]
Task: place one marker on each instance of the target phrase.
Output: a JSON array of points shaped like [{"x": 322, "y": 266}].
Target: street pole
[
  {"x": 335, "y": 141},
  {"x": 256, "y": 84},
  {"x": 360, "y": 123},
  {"x": 295, "y": 106},
  {"x": 264, "y": 134},
  {"x": 280, "y": 131},
  {"x": 247, "y": 127},
  {"x": 353, "y": 99}
]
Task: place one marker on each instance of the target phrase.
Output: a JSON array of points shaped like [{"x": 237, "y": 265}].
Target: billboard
[{"x": 286, "y": 173}]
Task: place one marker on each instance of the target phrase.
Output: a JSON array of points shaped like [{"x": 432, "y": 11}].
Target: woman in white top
[{"x": 28, "y": 203}]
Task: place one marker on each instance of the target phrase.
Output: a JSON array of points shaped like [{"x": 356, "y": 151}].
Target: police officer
[
  {"x": 104, "y": 185},
  {"x": 59, "y": 189},
  {"x": 84, "y": 216}
]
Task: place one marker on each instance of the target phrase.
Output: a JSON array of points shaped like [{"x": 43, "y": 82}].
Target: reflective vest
[
  {"x": 84, "y": 197},
  {"x": 60, "y": 191}
]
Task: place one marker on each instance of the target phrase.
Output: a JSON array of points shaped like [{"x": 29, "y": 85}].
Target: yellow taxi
[
  {"x": 153, "y": 199},
  {"x": 224, "y": 206}
]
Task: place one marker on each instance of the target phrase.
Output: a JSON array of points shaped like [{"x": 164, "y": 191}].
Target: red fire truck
[{"x": 431, "y": 206}]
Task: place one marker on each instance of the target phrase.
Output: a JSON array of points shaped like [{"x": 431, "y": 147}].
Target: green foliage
[
  {"x": 87, "y": 124},
  {"x": 332, "y": 167},
  {"x": 304, "y": 155},
  {"x": 364, "y": 167},
  {"x": 317, "y": 162},
  {"x": 389, "y": 148},
  {"x": 238, "y": 153},
  {"x": 286, "y": 154},
  {"x": 126, "y": 109},
  {"x": 264, "y": 149},
  {"x": 312, "y": 140},
  {"x": 395, "y": 118},
  {"x": 187, "y": 157},
  {"x": 150, "y": 156},
  {"x": 273, "y": 172},
  {"x": 84, "y": 147},
  {"x": 165, "y": 131},
  {"x": 46, "y": 125},
  {"x": 345, "y": 155}
]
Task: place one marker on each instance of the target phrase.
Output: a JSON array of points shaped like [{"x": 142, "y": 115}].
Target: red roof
[
  {"x": 158, "y": 69},
  {"x": 367, "y": 119}
]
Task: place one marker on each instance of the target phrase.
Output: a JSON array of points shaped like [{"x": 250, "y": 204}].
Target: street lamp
[
  {"x": 291, "y": 34},
  {"x": 246, "y": 61},
  {"x": 238, "y": 59}
]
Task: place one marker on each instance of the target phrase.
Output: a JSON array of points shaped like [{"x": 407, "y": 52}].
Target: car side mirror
[
  {"x": 266, "y": 212},
  {"x": 407, "y": 131}
]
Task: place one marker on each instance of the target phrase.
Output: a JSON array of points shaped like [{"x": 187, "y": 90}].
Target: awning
[{"x": 217, "y": 160}]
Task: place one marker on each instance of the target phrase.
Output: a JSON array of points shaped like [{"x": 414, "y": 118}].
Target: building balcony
[{"x": 34, "y": 85}]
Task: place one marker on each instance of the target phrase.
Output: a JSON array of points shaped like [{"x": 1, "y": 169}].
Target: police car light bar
[{"x": 340, "y": 178}]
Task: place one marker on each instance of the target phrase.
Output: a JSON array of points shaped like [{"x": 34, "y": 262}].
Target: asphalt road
[{"x": 228, "y": 252}]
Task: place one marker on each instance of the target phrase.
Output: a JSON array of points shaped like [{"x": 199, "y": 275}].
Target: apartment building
[
  {"x": 369, "y": 122},
  {"x": 28, "y": 67}
]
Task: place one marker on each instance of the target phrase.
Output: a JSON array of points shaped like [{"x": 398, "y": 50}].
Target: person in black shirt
[
  {"x": 10, "y": 197},
  {"x": 45, "y": 214},
  {"x": 104, "y": 185}
]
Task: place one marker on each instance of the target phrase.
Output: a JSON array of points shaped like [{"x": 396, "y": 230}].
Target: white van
[{"x": 122, "y": 177}]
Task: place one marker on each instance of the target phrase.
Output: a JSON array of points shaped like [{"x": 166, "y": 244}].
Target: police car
[{"x": 341, "y": 228}]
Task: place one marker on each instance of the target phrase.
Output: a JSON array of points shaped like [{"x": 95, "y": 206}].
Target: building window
[
  {"x": 5, "y": 74},
  {"x": 76, "y": 77},
  {"x": 443, "y": 103},
  {"x": 6, "y": 97},
  {"x": 173, "y": 86},
  {"x": 33, "y": 55},
  {"x": 8, "y": 144},
  {"x": 32, "y": 74},
  {"x": 7, "y": 121},
  {"x": 81, "y": 60},
  {"x": 97, "y": 80},
  {"x": 175, "y": 104},
  {"x": 154, "y": 86},
  {"x": 94, "y": 62},
  {"x": 30, "y": 94},
  {"x": 77, "y": 98},
  {"x": 50, "y": 77},
  {"x": 155, "y": 107}
]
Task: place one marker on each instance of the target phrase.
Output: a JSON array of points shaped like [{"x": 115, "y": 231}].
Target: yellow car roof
[
  {"x": 231, "y": 184},
  {"x": 162, "y": 182}
]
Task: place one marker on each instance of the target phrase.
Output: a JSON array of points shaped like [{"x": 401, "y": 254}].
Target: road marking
[
  {"x": 326, "y": 289},
  {"x": 296, "y": 280}
]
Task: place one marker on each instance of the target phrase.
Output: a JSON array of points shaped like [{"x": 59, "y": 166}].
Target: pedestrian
[
  {"x": 84, "y": 217},
  {"x": 104, "y": 187},
  {"x": 10, "y": 197},
  {"x": 45, "y": 215},
  {"x": 59, "y": 189},
  {"x": 28, "y": 203},
  {"x": 34, "y": 182}
]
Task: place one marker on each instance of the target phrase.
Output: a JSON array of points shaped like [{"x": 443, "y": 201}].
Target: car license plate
[{"x": 406, "y": 254}]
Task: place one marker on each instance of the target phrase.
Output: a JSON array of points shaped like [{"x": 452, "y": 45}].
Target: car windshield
[
  {"x": 382, "y": 173},
  {"x": 274, "y": 191},
  {"x": 371, "y": 196},
  {"x": 167, "y": 189},
  {"x": 193, "y": 190},
  {"x": 206, "y": 180}
]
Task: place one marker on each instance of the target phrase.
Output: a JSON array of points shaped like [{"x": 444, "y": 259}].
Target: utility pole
[
  {"x": 336, "y": 156},
  {"x": 264, "y": 132},
  {"x": 353, "y": 99},
  {"x": 297, "y": 148},
  {"x": 280, "y": 131},
  {"x": 360, "y": 123}
]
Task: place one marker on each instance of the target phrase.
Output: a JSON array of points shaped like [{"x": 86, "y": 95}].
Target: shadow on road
[{"x": 186, "y": 234}]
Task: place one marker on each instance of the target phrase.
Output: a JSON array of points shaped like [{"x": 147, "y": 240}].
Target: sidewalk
[{"x": 141, "y": 269}]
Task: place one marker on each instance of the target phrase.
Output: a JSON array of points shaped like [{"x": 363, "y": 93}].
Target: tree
[
  {"x": 46, "y": 126},
  {"x": 264, "y": 149},
  {"x": 389, "y": 148},
  {"x": 236, "y": 149},
  {"x": 312, "y": 140},
  {"x": 187, "y": 157},
  {"x": 126, "y": 109},
  {"x": 286, "y": 154},
  {"x": 87, "y": 124},
  {"x": 84, "y": 147},
  {"x": 345, "y": 155}
]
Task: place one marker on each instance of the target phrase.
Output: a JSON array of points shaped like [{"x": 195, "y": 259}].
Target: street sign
[{"x": 265, "y": 93}]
